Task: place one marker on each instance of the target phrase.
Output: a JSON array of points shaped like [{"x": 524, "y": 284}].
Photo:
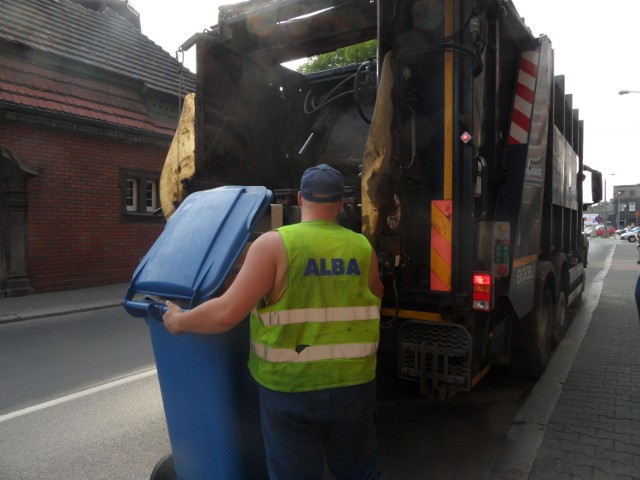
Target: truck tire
[{"x": 531, "y": 357}]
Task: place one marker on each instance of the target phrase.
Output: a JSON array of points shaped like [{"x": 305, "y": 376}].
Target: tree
[{"x": 339, "y": 58}]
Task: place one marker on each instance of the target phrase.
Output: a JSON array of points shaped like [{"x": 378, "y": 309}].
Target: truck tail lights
[{"x": 482, "y": 295}]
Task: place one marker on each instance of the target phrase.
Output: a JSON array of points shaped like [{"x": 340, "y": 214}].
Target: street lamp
[
  {"x": 622, "y": 92},
  {"x": 606, "y": 205}
]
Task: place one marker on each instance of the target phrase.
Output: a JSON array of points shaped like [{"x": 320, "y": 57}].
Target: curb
[{"x": 53, "y": 311}]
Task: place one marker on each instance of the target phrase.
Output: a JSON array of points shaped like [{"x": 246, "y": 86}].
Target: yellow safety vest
[{"x": 324, "y": 331}]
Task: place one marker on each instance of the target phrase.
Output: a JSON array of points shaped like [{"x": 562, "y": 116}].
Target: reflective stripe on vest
[
  {"x": 315, "y": 353},
  {"x": 318, "y": 315}
]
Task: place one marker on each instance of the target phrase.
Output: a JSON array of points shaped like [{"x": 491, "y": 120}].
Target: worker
[{"x": 314, "y": 291}]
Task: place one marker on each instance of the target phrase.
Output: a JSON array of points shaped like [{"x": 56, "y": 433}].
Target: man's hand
[{"x": 171, "y": 318}]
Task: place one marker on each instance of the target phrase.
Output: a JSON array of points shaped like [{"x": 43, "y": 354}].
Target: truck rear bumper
[{"x": 438, "y": 355}]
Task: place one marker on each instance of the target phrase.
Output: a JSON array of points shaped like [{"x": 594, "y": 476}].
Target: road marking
[{"x": 76, "y": 395}]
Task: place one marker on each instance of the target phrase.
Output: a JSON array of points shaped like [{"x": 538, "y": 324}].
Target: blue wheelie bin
[{"x": 209, "y": 398}]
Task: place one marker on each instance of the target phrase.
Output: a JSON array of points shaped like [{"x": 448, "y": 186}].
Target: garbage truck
[{"x": 461, "y": 150}]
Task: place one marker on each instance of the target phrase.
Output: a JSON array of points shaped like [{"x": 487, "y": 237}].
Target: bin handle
[
  {"x": 157, "y": 310},
  {"x": 145, "y": 309}
]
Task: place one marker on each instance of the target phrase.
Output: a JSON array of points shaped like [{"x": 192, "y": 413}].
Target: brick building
[
  {"x": 626, "y": 205},
  {"x": 88, "y": 107}
]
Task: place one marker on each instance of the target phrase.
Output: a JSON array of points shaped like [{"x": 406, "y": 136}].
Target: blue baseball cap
[{"x": 322, "y": 184}]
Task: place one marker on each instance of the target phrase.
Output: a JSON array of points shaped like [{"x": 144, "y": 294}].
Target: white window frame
[
  {"x": 140, "y": 194},
  {"x": 151, "y": 203},
  {"x": 131, "y": 195}
]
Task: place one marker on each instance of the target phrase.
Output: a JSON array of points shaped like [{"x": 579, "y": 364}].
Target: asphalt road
[
  {"x": 79, "y": 399},
  {"x": 51, "y": 357}
]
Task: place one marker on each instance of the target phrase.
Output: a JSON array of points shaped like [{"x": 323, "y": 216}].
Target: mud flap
[{"x": 438, "y": 355}]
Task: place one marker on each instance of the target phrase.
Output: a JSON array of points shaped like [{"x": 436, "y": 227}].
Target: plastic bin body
[{"x": 210, "y": 401}]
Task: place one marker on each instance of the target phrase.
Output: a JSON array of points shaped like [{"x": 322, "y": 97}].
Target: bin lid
[{"x": 200, "y": 243}]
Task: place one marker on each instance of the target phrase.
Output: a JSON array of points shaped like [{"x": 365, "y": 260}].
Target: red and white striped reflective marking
[{"x": 525, "y": 93}]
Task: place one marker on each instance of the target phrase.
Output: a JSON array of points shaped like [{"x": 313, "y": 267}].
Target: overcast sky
[{"x": 596, "y": 44}]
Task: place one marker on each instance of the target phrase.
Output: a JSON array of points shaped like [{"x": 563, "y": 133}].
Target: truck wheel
[
  {"x": 164, "y": 470},
  {"x": 531, "y": 357}
]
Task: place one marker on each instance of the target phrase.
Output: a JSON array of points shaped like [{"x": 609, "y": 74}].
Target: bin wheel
[{"x": 164, "y": 470}]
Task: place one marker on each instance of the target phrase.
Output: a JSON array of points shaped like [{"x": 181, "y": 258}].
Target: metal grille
[{"x": 435, "y": 351}]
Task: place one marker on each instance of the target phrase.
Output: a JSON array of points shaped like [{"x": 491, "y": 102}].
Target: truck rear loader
[{"x": 462, "y": 155}]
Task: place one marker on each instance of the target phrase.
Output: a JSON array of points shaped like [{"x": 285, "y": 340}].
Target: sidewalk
[
  {"x": 582, "y": 419},
  {"x": 58, "y": 303}
]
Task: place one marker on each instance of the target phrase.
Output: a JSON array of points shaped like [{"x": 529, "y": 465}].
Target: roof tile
[
  {"x": 95, "y": 99},
  {"x": 102, "y": 40}
]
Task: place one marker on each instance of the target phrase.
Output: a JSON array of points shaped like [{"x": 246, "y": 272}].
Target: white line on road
[{"x": 76, "y": 395}]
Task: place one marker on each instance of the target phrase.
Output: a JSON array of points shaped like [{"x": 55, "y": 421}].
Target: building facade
[
  {"x": 88, "y": 108},
  {"x": 626, "y": 205}
]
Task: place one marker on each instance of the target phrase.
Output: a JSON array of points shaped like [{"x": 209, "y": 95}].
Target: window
[
  {"x": 151, "y": 195},
  {"x": 131, "y": 195},
  {"x": 140, "y": 194}
]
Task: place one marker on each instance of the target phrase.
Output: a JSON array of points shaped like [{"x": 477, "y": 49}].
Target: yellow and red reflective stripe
[{"x": 441, "y": 236}]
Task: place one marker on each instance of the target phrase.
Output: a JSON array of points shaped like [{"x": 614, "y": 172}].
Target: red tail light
[{"x": 482, "y": 292}]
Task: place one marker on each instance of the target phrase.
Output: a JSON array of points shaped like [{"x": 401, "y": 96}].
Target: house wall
[
  {"x": 626, "y": 205},
  {"x": 78, "y": 233}
]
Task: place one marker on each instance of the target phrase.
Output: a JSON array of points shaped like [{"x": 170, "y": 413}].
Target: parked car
[
  {"x": 631, "y": 235},
  {"x": 600, "y": 230}
]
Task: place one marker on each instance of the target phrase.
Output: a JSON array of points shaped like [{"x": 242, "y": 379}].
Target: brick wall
[{"x": 78, "y": 235}]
